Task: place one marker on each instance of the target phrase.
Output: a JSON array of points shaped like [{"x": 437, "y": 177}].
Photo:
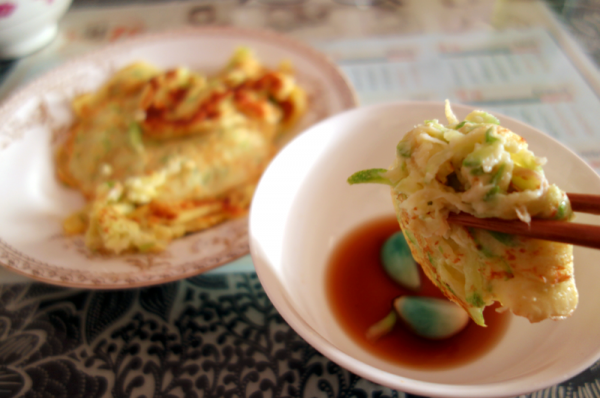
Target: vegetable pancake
[
  {"x": 478, "y": 167},
  {"x": 161, "y": 154}
]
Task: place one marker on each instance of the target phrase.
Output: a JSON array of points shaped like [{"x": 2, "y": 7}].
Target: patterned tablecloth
[
  {"x": 213, "y": 335},
  {"x": 208, "y": 336},
  {"x": 217, "y": 335}
]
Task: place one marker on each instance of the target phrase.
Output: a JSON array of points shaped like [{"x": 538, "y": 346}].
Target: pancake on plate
[
  {"x": 159, "y": 154},
  {"x": 478, "y": 167}
]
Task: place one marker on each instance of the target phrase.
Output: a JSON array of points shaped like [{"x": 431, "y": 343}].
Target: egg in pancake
[
  {"x": 478, "y": 167},
  {"x": 159, "y": 154}
]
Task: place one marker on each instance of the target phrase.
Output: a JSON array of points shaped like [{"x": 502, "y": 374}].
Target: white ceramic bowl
[
  {"x": 28, "y": 25},
  {"x": 303, "y": 206}
]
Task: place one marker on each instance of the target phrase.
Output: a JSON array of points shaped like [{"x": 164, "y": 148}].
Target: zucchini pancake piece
[
  {"x": 159, "y": 154},
  {"x": 480, "y": 168}
]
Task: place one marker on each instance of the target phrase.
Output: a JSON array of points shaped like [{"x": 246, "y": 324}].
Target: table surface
[{"x": 217, "y": 334}]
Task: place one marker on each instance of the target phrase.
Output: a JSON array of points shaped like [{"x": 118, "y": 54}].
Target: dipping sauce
[{"x": 360, "y": 294}]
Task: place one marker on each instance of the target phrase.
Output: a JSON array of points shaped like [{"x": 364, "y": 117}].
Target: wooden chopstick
[
  {"x": 585, "y": 203},
  {"x": 557, "y": 231}
]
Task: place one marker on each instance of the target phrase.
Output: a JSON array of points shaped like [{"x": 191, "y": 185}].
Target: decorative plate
[{"x": 33, "y": 203}]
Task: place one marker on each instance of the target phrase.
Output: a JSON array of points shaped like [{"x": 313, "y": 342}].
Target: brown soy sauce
[{"x": 360, "y": 293}]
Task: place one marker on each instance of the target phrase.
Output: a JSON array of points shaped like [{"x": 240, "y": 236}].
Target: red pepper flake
[{"x": 6, "y": 9}]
